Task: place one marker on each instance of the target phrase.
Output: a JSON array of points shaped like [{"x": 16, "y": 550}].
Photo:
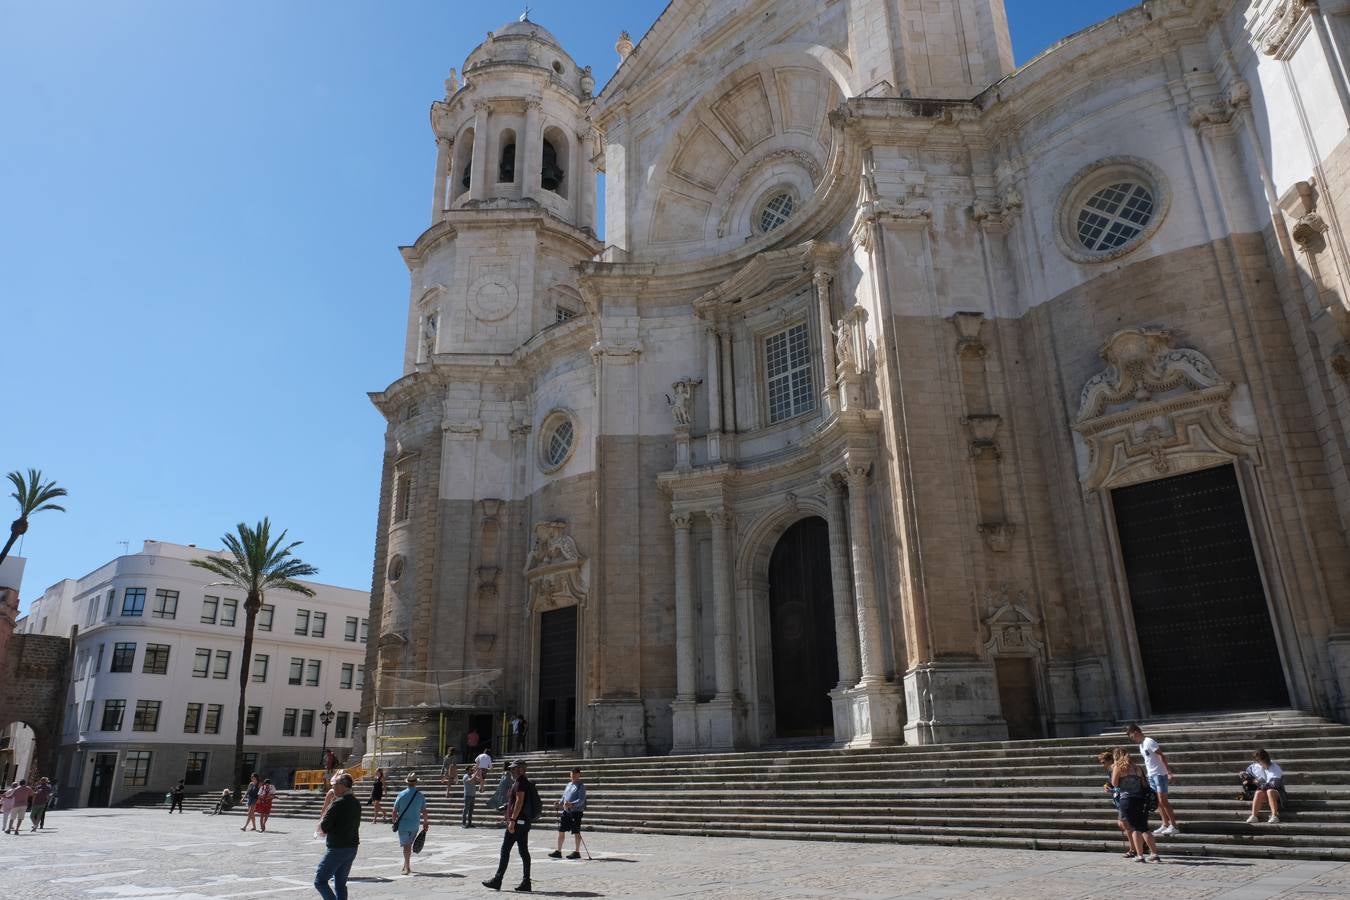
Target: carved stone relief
[
  {"x": 1011, "y": 628},
  {"x": 555, "y": 569}
]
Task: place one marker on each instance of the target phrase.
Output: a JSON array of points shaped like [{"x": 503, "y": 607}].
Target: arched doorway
[{"x": 801, "y": 626}]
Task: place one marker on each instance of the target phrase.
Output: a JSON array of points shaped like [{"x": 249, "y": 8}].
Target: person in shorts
[
  {"x": 410, "y": 817},
  {"x": 1108, "y": 761},
  {"x": 1132, "y": 800},
  {"x": 1267, "y": 781},
  {"x": 572, "y": 804},
  {"x": 1160, "y": 776}
]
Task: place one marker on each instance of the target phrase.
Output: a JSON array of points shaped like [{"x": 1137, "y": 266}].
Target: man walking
[
  {"x": 572, "y": 804},
  {"x": 483, "y": 762},
  {"x": 1160, "y": 775},
  {"x": 16, "y": 805},
  {"x": 42, "y": 796},
  {"x": 341, "y": 826},
  {"x": 176, "y": 798},
  {"x": 517, "y": 828},
  {"x": 470, "y": 797},
  {"x": 513, "y": 742}
]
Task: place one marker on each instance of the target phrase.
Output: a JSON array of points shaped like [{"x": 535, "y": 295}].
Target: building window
[
  {"x": 302, "y": 621},
  {"x": 222, "y": 669},
  {"x": 307, "y": 723},
  {"x": 252, "y": 719},
  {"x": 201, "y": 663},
  {"x": 557, "y": 435},
  {"x": 195, "y": 773},
  {"x": 356, "y": 721},
  {"x": 112, "y": 715},
  {"x": 288, "y": 722},
  {"x": 156, "y": 659},
  {"x": 250, "y": 766},
  {"x": 318, "y": 624},
  {"x": 787, "y": 367},
  {"x": 93, "y": 611},
  {"x": 340, "y": 725},
  {"x": 146, "y": 717},
  {"x": 124, "y": 657},
  {"x": 1114, "y": 215},
  {"x": 192, "y": 722},
  {"x": 213, "y": 711},
  {"x": 403, "y": 497},
  {"x": 348, "y": 673},
  {"x": 260, "y": 667},
  {"x": 107, "y": 607},
  {"x": 229, "y": 607},
  {"x": 137, "y": 769},
  {"x": 98, "y": 663},
  {"x": 265, "y": 614},
  {"x": 165, "y": 605},
  {"x": 365, "y": 630},
  {"x": 562, "y": 314},
  {"x": 774, "y": 210},
  {"x": 88, "y": 714},
  {"x": 360, "y": 677},
  {"x": 312, "y": 673},
  {"x": 133, "y": 601},
  {"x": 353, "y": 623},
  {"x": 210, "y": 605},
  {"x": 1111, "y": 207},
  {"x": 297, "y": 670}
]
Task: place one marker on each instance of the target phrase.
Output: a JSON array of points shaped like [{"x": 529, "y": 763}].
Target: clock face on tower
[{"x": 491, "y": 298}]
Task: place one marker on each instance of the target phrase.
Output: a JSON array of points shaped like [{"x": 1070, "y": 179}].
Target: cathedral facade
[{"x": 909, "y": 396}]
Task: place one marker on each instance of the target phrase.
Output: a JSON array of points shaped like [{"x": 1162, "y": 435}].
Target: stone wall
[{"x": 34, "y": 675}]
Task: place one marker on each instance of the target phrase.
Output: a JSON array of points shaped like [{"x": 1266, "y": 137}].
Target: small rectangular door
[
  {"x": 100, "y": 790},
  {"x": 1017, "y": 695}
]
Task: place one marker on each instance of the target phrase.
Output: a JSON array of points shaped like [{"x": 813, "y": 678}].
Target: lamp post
[{"x": 326, "y": 717}]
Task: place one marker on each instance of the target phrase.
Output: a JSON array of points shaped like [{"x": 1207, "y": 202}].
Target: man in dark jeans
[
  {"x": 341, "y": 824},
  {"x": 176, "y": 797},
  {"x": 517, "y": 829}
]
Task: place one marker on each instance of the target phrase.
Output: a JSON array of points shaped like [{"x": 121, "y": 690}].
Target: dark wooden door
[
  {"x": 1200, "y": 610},
  {"x": 801, "y": 617},
  {"x": 1018, "y": 697},
  {"x": 100, "y": 789},
  {"x": 556, "y": 725}
]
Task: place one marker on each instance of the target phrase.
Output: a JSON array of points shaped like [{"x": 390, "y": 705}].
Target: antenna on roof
[{"x": 525, "y": 16}]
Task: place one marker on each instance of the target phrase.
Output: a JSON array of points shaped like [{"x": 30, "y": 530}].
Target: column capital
[
  {"x": 718, "y": 515},
  {"x": 481, "y": 107},
  {"x": 682, "y": 521},
  {"x": 821, "y": 279},
  {"x": 535, "y": 103},
  {"x": 829, "y": 483},
  {"x": 856, "y": 470}
]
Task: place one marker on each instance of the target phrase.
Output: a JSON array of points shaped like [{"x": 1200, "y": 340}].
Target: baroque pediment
[
  {"x": 1146, "y": 372},
  {"x": 555, "y": 570}
]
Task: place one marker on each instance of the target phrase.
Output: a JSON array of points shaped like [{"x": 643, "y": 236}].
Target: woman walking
[
  {"x": 251, "y": 798},
  {"x": 1128, "y": 780},
  {"x": 264, "y": 805},
  {"x": 377, "y": 795},
  {"x": 1108, "y": 761},
  {"x": 410, "y": 815}
]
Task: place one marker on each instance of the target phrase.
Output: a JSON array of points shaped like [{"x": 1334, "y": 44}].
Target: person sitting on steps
[{"x": 1266, "y": 779}]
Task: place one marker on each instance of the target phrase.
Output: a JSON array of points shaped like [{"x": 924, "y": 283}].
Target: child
[
  {"x": 470, "y": 795},
  {"x": 1266, "y": 778}
]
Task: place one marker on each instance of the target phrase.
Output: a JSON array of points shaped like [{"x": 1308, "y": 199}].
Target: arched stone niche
[{"x": 1156, "y": 410}]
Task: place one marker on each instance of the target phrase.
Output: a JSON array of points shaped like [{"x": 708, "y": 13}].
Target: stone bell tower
[{"x": 513, "y": 214}]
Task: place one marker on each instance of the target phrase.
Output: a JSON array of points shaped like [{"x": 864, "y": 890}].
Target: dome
[
  {"x": 527, "y": 28},
  {"x": 513, "y": 42}
]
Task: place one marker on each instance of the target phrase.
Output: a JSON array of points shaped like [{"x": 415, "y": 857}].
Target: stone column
[
  {"x": 845, "y": 615},
  {"x": 686, "y": 676},
  {"x": 479, "y": 168},
  {"x": 529, "y": 150},
  {"x": 724, "y": 628},
  {"x": 873, "y": 657},
  {"x": 444, "y": 154},
  {"x": 831, "y": 392},
  {"x": 714, "y": 397},
  {"x": 586, "y": 192}
]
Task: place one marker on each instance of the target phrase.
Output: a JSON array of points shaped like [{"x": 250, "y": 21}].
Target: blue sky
[{"x": 200, "y": 209}]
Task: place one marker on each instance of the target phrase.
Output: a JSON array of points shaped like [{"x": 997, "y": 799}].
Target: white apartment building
[{"x": 155, "y": 676}]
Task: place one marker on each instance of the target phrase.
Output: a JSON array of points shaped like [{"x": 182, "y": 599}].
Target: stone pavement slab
[{"x": 129, "y": 854}]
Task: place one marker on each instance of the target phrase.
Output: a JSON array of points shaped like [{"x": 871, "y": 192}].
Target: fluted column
[
  {"x": 530, "y": 156},
  {"x": 714, "y": 396},
  {"x": 686, "y": 677},
  {"x": 444, "y": 153},
  {"x": 724, "y": 626},
  {"x": 479, "y": 168},
  {"x": 822, "y": 282},
  {"x": 872, "y": 653},
  {"x": 845, "y": 615},
  {"x": 586, "y": 171}
]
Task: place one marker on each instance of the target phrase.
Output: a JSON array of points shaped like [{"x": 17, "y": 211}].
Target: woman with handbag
[
  {"x": 409, "y": 807},
  {"x": 1132, "y": 801}
]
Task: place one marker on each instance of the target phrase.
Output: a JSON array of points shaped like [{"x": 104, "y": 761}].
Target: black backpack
[{"x": 534, "y": 807}]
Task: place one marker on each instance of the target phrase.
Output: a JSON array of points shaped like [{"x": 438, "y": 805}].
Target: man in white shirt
[
  {"x": 483, "y": 762},
  {"x": 1159, "y": 776}
]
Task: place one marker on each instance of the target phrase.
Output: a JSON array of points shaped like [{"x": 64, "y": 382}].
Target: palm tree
[
  {"x": 34, "y": 496},
  {"x": 256, "y": 563}
]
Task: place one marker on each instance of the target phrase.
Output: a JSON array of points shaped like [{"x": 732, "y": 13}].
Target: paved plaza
[{"x": 126, "y": 854}]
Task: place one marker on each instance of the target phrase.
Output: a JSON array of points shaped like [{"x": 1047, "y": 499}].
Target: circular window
[
  {"x": 774, "y": 211},
  {"x": 395, "y": 568},
  {"x": 557, "y": 438},
  {"x": 1110, "y": 208}
]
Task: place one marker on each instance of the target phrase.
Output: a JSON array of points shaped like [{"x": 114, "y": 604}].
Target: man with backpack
[{"x": 522, "y": 809}]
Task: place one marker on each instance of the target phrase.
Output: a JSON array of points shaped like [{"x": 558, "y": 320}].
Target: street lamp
[{"x": 326, "y": 717}]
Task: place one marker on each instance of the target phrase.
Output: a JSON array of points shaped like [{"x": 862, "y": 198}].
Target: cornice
[{"x": 496, "y": 214}]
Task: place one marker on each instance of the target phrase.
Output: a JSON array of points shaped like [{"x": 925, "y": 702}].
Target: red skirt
[{"x": 263, "y": 807}]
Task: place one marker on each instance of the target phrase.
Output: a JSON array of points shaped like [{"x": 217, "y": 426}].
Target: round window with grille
[
  {"x": 774, "y": 210},
  {"x": 1110, "y": 208},
  {"x": 556, "y": 441}
]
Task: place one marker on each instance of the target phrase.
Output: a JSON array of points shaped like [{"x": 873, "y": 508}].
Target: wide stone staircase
[{"x": 1043, "y": 794}]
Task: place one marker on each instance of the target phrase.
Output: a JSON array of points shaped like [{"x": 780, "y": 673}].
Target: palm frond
[
  {"x": 46, "y": 506},
  {"x": 33, "y": 494}
]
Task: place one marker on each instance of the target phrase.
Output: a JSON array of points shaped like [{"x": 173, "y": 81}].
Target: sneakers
[
  {"x": 524, "y": 886},
  {"x": 1139, "y": 859},
  {"x": 1167, "y": 831},
  {"x": 1155, "y": 858},
  {"x": 1273, "y": 820},
  {"x": 1160, "y": 831},
  {"x": 575, "y": 855},
  {"x": 556, "y": 854},
  {"x": 494, "y": 883},
  {"x": 1252, "y": 820}
]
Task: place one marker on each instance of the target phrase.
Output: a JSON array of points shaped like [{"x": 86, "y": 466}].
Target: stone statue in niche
[
  {"x": 845, "y": 352},
  {"x": 682, "y": 404},
  {"x": 429, "y": 323}
]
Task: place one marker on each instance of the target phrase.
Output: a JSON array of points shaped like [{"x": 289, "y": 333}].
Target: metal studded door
[
  {"x": 1200, "y": 611},
  {"x": 801, "y": 622},
  {"x": 557, "y": 721}
]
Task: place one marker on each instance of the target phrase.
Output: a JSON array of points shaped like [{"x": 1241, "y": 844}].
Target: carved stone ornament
[
  {"x": 1012, "y": 627},
  {"x": 1157, "y": 409},
  {"x": 555, "y": 570},
  {"x": 682, "y": 403},
  {"x": 1275, "y": 29}
]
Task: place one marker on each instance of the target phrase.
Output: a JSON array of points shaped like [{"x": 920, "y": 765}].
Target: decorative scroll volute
[{"x": 555, "y": 569}]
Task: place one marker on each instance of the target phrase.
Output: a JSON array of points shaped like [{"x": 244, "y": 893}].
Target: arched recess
[
  {"x": 460, "y": 172},
  {"x": 762, "y": 127},
  {"x": 506, "y": 157},
  {"x": 555, "y": 162}
]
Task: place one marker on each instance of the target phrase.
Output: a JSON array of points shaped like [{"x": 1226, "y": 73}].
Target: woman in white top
[{"x": 1269, "y": 783}]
